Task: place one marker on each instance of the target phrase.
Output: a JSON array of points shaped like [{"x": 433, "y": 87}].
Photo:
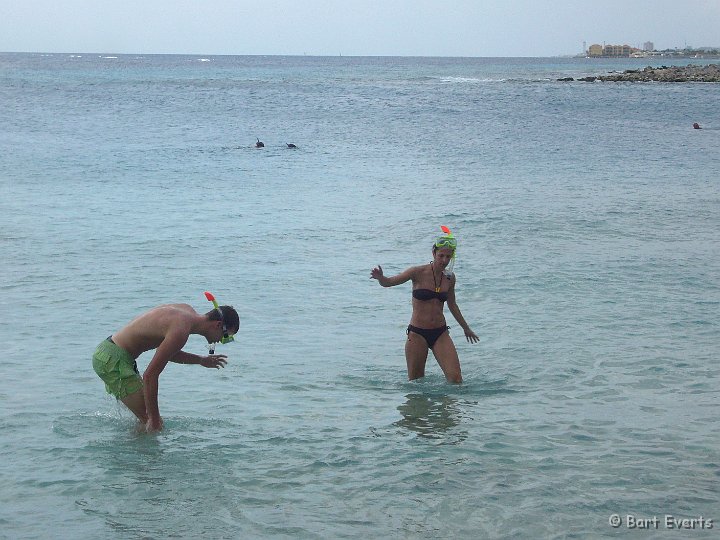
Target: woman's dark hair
[{"x": 229, "y": 316}]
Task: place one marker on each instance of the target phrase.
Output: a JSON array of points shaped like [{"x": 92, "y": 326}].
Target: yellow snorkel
[{"x": 210, "y": 297}]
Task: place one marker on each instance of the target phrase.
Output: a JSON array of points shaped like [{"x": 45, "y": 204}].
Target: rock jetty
[{"x": 689, "y": 73}]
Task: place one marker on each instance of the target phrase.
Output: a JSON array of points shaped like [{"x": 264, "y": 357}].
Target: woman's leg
[
  {"x": 447, "y": 357},
  {"x": 416, "y": 351}
]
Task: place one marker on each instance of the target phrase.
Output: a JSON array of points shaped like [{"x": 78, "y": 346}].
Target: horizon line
[
  {"x": 580, "y": 55},
  {"x": 340, "y": 55}
]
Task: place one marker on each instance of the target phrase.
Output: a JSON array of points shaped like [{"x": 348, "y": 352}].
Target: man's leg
[{"x": 136, "y": 403}]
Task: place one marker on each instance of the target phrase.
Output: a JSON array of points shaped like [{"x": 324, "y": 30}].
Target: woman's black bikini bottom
[{"x": 431, "y": 335}]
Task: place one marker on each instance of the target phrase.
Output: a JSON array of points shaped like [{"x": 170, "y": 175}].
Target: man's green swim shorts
[{"x": 117, "y": 368}]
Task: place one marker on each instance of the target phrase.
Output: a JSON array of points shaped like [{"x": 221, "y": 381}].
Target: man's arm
[
  {"x": 183, "y": 357},
  {"x": 171, "y": 345},
  {"x": 211, "y": 361}
]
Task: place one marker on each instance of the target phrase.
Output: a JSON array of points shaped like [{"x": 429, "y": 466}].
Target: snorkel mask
[
  {"x": 227, "y": 338},
  {"x": 447, "y": 241}
]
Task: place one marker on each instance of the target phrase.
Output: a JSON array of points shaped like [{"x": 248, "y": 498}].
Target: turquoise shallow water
[{"x": 588, "y": 264}]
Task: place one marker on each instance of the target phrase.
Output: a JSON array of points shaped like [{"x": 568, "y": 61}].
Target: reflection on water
[{"x": 431, "y": 416}]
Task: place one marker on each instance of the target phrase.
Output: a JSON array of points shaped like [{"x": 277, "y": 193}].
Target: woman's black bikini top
[{"x": 427, "y": 294}]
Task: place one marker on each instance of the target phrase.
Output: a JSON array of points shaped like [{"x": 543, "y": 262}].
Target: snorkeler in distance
[
  {"x": 433, "y": 285},
  {"x": 166, "y": 329},
  {"x": 259, "y": 143}
]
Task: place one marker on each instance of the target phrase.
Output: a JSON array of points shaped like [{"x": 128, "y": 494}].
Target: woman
[{"x": 433, "y": 285}]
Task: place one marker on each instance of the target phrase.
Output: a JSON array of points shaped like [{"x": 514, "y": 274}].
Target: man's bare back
[{"x": 147, "y": 331}]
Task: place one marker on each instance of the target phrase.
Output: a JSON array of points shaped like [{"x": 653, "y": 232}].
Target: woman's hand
[
  {"x": 213, "y": 361},
  {"x": 377, "y": 273},
  {"x": 470, "y": 336}
]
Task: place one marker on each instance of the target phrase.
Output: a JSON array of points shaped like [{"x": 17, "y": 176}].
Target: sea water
[{"x": 587, "y": 216}]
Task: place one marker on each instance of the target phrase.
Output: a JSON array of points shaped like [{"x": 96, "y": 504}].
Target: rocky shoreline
[{"x": 689, "y": 73}]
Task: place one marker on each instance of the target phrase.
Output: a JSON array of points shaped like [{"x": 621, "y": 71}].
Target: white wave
[{"x": 469, "y": 80}]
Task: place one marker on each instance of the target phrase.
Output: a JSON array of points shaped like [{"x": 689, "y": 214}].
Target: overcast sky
[{"x": 354, "y": 27}]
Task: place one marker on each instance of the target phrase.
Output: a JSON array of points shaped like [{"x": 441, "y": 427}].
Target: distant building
[
  {"x": 617, "y": 50},
  {"x": 648, "y": 46},
  {"x": 595, "y": 50},
  {"x": 614, "y": 51}
]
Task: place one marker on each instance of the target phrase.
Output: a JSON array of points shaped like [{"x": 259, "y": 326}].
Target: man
[{"x": 166, "y": 329}]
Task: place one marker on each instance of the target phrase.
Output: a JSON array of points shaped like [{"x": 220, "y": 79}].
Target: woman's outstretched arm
[{"x": 377, "y": 273}]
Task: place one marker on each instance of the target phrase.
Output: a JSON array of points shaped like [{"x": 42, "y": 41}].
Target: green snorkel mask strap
[
  {"x": 227, "y": 338},
  {"x": 447, "y": 241}
]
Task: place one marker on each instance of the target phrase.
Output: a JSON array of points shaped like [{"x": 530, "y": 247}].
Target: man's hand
[
  {"x": 216, "y": 361},
  {"x": 154, "y": 425}
]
